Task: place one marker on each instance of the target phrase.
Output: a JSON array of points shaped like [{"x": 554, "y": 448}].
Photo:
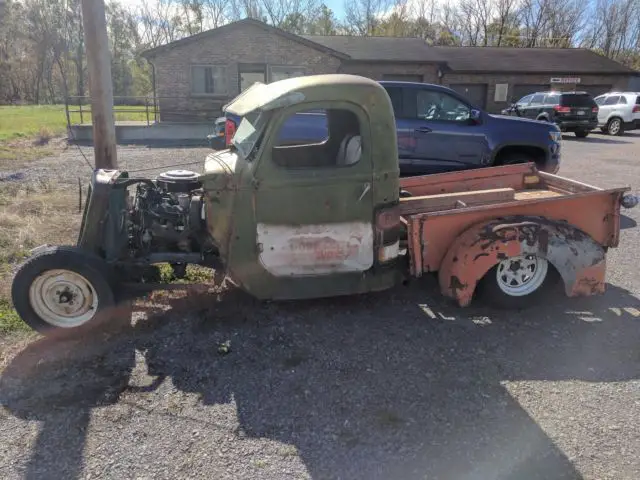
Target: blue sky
[{"x": 336, "y": 5}]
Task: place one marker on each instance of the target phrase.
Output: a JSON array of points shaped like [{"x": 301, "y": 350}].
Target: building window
[
  {"x": 280, "y": 72},
  {"x": 501, "y": 93},
  {"x": 250, "y": 73},
  {"x": 208, "y": 80}
]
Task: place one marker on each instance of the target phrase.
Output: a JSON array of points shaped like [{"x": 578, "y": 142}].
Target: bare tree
[
  {"x": 363, "y": 16},
  {"x": 614, "y": 28}
]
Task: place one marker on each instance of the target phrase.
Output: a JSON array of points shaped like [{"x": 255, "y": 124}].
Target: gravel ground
[
  {"x": 76, "y": 161},
  {"x": 396, "y": 385}
]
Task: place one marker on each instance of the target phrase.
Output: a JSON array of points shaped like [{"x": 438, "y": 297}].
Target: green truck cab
[
  {"x": 320, "y": 219},
  {"x": 304, "y": 216}
]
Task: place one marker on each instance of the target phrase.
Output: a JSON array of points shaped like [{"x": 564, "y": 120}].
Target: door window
[
  {"x": 612, "y": 100},
  {"x": 552, "y": 99},
  {"x": 622, "y": 101},
  {"x": 523, "y": 102},
  {"x": 395, "y": 94},
  {"x": 316, "y": 139},
  {"x": 537, "y": 99},
  {"x": 600, "y": 100},
  {"x": 440, "y": 106}
]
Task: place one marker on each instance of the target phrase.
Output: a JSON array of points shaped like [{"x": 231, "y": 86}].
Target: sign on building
[{"x": 573, "y": 80}]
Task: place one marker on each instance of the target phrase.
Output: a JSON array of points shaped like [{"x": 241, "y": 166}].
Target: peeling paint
[
  {"x": 289, "y": 250},
  {"x": 575, "y": 255}
]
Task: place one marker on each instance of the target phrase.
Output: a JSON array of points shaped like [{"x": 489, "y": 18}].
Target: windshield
[
  {"x": 577, "y": 100},
  {"x": 248, "y": 133}
]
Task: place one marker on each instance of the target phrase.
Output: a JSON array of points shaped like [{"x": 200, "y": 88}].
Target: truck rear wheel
[
  {"x": 62, "y": 288},
  {"x": 517, "y": 282}
]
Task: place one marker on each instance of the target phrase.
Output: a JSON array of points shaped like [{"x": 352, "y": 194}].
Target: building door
[
  {"x": 476, "y": 93},
  {"x": 248, "y": 74}
]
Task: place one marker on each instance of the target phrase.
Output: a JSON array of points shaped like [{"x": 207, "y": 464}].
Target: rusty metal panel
[
  {"x": 290, "y": 250},
  {"x": 510, "y": 176},
  {"x": 579, "y": 260},
  {"x": 414, "y": 235},
  {"x": 596, "y": 213}
]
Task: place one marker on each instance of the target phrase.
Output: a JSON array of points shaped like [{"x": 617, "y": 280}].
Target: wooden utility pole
[{"x": 99, "y": 63}]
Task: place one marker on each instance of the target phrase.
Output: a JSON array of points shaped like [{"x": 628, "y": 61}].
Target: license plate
[{"x": 581, "y": 112}]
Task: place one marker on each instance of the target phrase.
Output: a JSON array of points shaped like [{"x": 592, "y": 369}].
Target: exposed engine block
[{"x": 166, "y": 214}]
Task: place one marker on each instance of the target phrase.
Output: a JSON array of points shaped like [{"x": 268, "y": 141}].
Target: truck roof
[{"x": 261, "y": 96}]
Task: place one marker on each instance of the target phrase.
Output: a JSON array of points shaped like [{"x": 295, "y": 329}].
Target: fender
[{"x": 580, "y": 260}]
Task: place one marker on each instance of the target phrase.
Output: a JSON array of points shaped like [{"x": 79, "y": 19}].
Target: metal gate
[{"x": 476, "y": 93}]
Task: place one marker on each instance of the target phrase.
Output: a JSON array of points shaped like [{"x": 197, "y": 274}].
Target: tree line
[{"x": 43, "y": 56}]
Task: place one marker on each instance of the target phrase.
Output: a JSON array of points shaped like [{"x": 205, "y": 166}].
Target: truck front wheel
[
  {"x": 517, "y": 282},
  {"x": 62, "y": 289}
]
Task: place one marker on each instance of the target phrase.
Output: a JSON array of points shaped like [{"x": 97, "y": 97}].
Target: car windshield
[
  {"x": 248, "y": 132},
  {"x": 577, "y": 100}
]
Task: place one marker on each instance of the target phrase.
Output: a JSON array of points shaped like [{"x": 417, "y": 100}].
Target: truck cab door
[{"x": 314, "y": 207}]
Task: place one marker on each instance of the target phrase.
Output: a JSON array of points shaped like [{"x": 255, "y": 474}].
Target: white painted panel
[{"x": 288, "y": 250}]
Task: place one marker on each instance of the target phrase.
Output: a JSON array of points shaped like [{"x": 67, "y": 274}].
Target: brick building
[{"x": 195, "y": 76}]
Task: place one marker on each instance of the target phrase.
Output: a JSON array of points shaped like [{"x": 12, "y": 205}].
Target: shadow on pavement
[
  {"x": 627, "y": 222},
  {"x": 375, "y": 386}
]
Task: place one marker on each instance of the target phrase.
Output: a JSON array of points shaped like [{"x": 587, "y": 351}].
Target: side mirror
[{"x": 475, "y": 116}]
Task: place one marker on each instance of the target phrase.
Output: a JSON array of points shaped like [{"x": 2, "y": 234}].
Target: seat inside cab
[{"x": 319, "y": 138}]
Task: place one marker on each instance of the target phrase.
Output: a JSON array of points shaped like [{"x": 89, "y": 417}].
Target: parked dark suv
[{"x": 571, "y": 111}]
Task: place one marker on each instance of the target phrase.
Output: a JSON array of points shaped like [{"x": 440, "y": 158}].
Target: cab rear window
[{"x": 577, "y": 100}]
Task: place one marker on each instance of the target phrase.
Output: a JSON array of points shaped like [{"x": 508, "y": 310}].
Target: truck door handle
[
  {"x": 367, "y": 187},
  {"x": 422, "y": 130}
]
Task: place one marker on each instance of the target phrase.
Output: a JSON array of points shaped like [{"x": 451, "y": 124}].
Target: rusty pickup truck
[{"x": 300, "y": 219}]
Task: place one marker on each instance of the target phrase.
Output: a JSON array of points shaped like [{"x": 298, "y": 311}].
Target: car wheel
[
  {"x": 517, "y": 282},
  {"x": 614, "y": 126},
  {"x": 62, "y": 289},
  {"x": 582, "y": 133},
  {"x": 514, "y": 158}
]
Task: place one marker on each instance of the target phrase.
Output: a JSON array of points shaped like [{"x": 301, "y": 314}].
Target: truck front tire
[{"x": 62, "y": 289}]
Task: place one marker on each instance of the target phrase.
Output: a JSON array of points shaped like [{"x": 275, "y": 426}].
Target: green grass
[
  {"x": 10, "y": 322},
  {"x": 28, "y": 121},
  {"x": 31, "y": 121},
  {"x": 30, "y": 215}
]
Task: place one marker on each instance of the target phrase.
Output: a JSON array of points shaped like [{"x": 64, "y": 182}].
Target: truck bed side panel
[{"x": 597, "y": 213}]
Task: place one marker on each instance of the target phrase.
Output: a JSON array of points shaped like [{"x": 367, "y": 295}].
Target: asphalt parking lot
[{"x": 396, "y": 385}]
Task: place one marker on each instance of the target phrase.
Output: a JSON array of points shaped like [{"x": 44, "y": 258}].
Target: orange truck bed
[{"x": 470, "y": 211}]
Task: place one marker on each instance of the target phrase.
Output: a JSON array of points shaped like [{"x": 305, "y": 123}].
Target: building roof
[
  {"x": 528, "y": 60},
  {"x": 416, "y": 50},
  {"x": 393, "y": 49},
  {"x": 152, "y": 52}
]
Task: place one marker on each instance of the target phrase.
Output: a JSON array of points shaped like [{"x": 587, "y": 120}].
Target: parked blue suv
[{"x": 438, "y": 130}]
